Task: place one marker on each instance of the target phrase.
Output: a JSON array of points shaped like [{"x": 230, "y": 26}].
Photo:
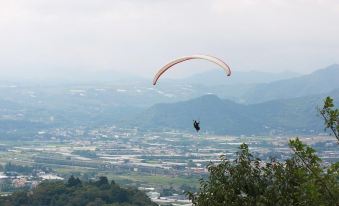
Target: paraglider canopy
[{"x": 186, "y": 58}]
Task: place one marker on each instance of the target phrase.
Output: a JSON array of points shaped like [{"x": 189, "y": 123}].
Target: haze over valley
[
  {"x": 223, "y": 108},
  {"x": 169, "y": 103}
]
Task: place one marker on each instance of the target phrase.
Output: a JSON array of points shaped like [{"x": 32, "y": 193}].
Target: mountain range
[
  {"x": 255, "y": 87},
  {"x": 268, "y": 107},
  {"x": 277, "y": 107},
  {"x": 219, "y": 116},
  {"x": 320, "y": 81}
]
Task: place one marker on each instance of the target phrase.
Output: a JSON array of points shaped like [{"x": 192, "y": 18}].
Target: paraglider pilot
[{"x": 196, "y": 125}]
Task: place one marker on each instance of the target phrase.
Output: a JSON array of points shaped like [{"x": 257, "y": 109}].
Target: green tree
[
  {"x": 249, "y": 181},
  {"x": 72, "y": 181},
  {"x": 299, "y": 180},
  {"x": 102, "y": 181},
  {"x": 331, "y": 116},
  {"x": 59, "y": 193}
]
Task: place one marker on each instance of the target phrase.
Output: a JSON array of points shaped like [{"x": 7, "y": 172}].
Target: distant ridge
[
  {"x": 287, "y": 105},
  {"x": 255, "y": 87},
  {"x": 321, "y": 81},
  {"x": 288, "y": 116}
]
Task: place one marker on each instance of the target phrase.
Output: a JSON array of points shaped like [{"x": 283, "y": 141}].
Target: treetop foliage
[
  {"x": 331, "y": 116},
  {"x": 77, "y": 193},
  {"x": 249, "y": 181},
  {"x": 300, "y": 180}
]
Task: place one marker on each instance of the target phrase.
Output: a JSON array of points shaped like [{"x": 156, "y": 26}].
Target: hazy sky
[{"x": 139, "y": 36}]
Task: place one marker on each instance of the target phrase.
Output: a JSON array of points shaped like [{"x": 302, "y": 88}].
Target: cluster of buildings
[
  {"x": 126, "y": 152},
  {"x": 12, "y": 181}
]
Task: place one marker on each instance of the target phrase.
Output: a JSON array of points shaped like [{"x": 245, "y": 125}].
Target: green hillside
[
  {"x": 296, "y": 115},
  {"x": 77, "y": 193}
]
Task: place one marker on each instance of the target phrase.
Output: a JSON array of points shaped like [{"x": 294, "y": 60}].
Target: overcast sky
[{"x": 139, "y": 36}]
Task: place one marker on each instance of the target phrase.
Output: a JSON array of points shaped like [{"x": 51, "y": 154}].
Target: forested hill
[
  {"x": 77, "y": 193},
  {"x": 284, "y": 116}
]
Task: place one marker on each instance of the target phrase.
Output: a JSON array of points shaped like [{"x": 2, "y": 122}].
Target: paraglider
[
  {"x": 212, "y": 59},
  {"x": 186, "y": 58},
  {"x": 196, "y": 125}
]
